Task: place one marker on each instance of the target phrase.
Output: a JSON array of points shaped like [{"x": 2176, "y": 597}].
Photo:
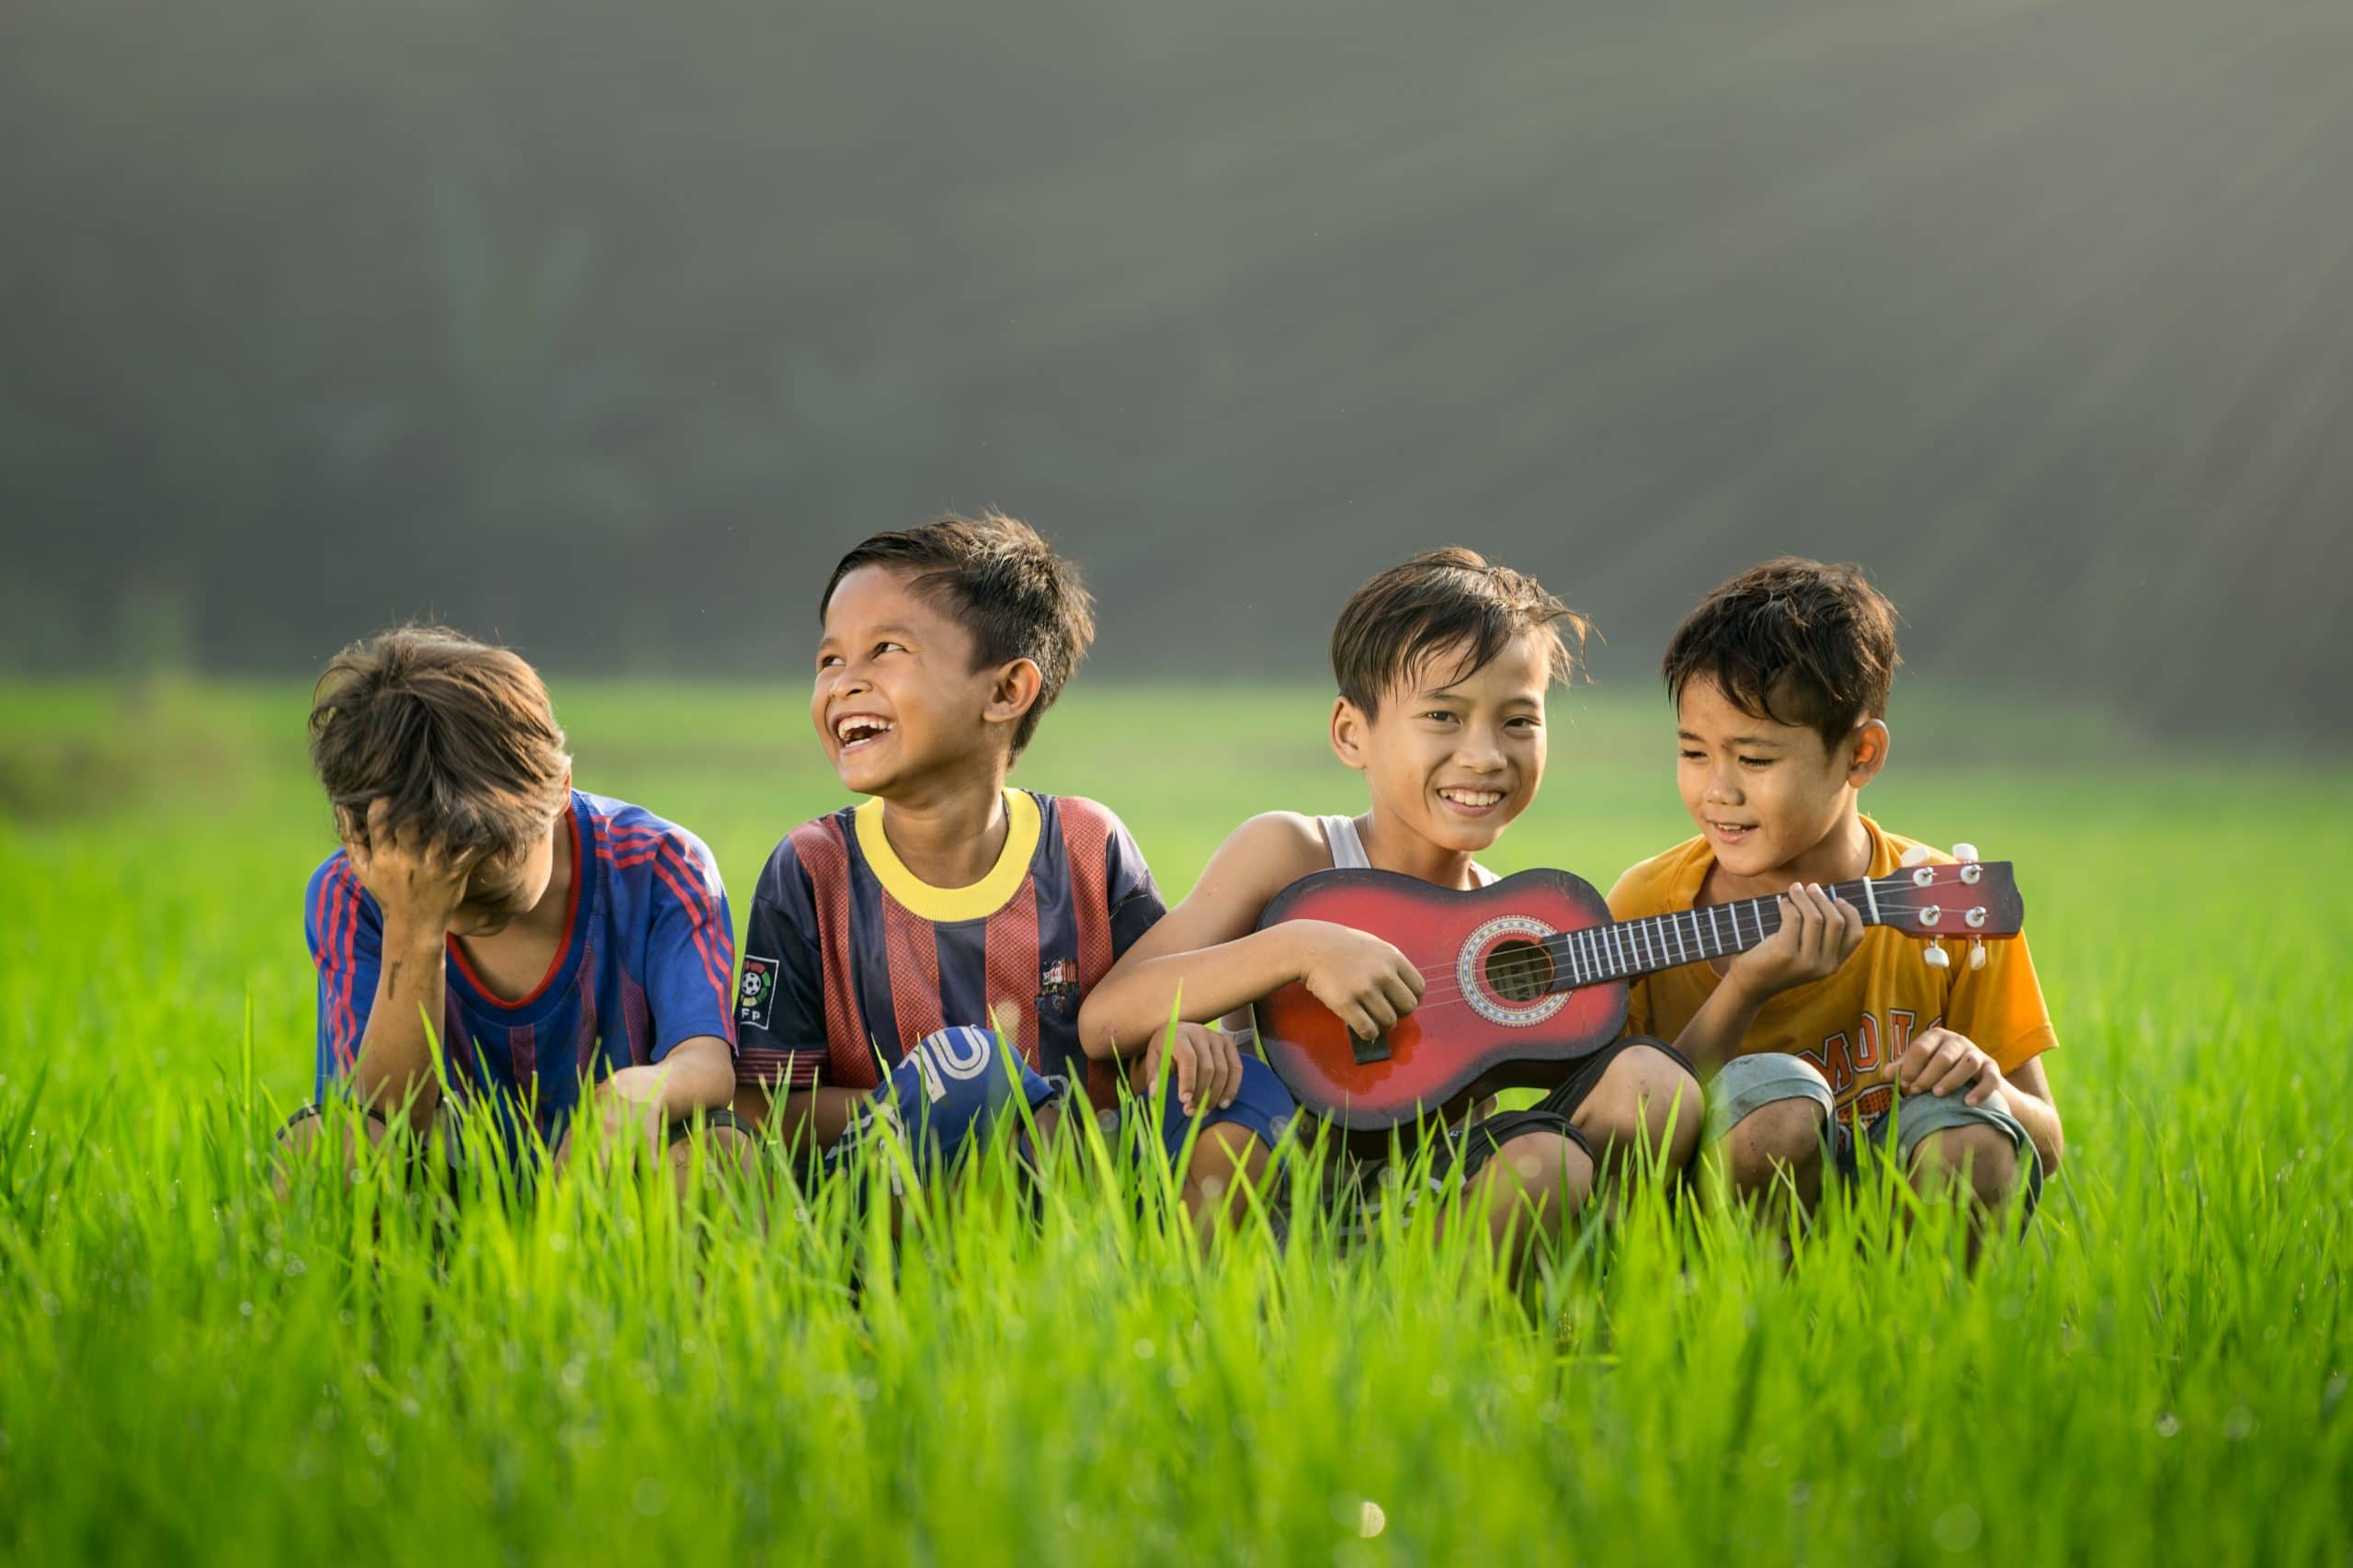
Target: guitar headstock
[{"x": 1968, "y": 898}]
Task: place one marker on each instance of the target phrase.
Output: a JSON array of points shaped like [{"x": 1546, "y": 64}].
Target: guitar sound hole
[{"x": 1519, "y": 971}]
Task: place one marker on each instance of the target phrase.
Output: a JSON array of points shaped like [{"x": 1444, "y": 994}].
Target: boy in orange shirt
[{"x": 1780, "y": 679}]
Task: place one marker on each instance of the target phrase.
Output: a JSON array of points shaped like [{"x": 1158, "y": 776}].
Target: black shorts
[{"x": 1357, "y": 1184}]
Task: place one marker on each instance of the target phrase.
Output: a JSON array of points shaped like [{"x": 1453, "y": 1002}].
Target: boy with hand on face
[
  {"x": 1443, "y": 663},
  {"x": 893, "y": 945},
  {"x": 479, "y": 906},
  {"x": 1780, "y": 680}
]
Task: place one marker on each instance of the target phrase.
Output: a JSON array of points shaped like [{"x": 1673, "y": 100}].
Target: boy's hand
[
  {"x": 1818, "y": 933},
  {"x": 412, "y": 877},
  {"x": 1942, "y": 1062},
  {"x": 626, "y": 1106},
  {"x": 1207, "y": 1067},
  {"x": 1364, "y": 980}
]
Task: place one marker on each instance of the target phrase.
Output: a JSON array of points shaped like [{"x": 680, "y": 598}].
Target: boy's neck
[
  {"x": 1392, "y": 848},
  {"x": 1842, "y": 855},
  {"x": 951, "y": 834}
]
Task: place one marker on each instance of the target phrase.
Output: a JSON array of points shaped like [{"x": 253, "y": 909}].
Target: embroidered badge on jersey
[
  {"x": 755, "y": 995},
  {"x": 1058, "y": 983}
]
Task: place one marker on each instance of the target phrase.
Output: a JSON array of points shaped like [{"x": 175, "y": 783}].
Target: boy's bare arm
[
  {"x": 1208, "y": 952},
  {"x": 800, "y": 1116},
  {"x": 697, "y": 1073},
  {"x": 417, "y": 884}
]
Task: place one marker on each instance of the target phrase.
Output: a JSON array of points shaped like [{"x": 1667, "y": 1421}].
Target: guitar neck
[{"x": 1624, "y": 949}]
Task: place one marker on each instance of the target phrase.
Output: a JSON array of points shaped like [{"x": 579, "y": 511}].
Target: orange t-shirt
[{"x": 1851, "y": 1023}]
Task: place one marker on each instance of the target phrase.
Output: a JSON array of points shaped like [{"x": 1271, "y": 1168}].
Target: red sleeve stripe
[
  {"x": 342, "y": 923},
  {"x": 642, "y": 846},
  {"x": 699, "y": 911}
]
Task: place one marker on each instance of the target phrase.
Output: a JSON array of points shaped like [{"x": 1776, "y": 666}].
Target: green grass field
[{"x": 2157, "y": 1372}]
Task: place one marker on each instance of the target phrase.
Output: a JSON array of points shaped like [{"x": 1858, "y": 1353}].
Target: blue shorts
[
  {"x": 1261, "y": 1105},
  {"x": 1750, "y": 1083}
]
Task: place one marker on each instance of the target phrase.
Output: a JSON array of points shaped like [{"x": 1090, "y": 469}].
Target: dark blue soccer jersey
[
  {"x": 849, "y": 958},
  {"x": 647, "y": 956}
]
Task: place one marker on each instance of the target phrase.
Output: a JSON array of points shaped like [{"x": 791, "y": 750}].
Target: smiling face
[
  {"x": 897, "y": 701},
  {"x": 1775, "y": 802},
  {"x": 1453, "y": 764}
]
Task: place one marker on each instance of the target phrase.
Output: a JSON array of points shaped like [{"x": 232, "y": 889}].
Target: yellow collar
[{"x": 946, "y": 905}]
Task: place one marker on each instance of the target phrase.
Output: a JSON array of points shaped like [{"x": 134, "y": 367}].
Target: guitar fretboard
[{"x": 1629, "y": 947}]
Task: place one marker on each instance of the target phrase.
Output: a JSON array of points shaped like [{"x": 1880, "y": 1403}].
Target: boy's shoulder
[
  {"x": 633, "y": 843},
  {"x": 1669, "y": 879}
]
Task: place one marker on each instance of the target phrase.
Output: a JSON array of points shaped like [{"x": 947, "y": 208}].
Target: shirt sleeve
[
  {"x": 779, "y": 1002},
  {"x": 346, "y": 934},
  {"x": 1134, "y": 897},
  {"x": 690, "y": 949},
  {"x": 2000, "y": 1007}
]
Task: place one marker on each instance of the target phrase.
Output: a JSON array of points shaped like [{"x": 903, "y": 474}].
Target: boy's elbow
[{"x": 1098, "y": 1035}]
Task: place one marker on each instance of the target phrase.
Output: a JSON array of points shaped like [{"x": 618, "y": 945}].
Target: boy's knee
[
  {"x": 1780, "y": 1134},
  {"x": 1646, "y": 1093},
  {"x": 1985, "y": 1157},
  {"x": 1546, "y": 1167},
  {"x": 1226, "y": 1153}
]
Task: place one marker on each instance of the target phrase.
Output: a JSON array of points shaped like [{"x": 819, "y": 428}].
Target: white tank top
[{"x": 1346, "y": 845}]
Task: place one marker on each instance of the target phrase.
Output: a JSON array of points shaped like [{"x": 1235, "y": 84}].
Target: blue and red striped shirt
[
  {"x": 646, "y": 961},
  {"x": 849, "y": 958}
]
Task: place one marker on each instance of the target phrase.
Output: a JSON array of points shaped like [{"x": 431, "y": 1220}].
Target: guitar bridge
[{"x": 1373, "y": 1050}]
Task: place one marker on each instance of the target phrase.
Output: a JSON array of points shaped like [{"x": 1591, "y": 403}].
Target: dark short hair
[
  {"x": 1439, "y": 601},
  {"x": 456, "y": 736},
  {"x": 1794, "y": 641},
  {"x": 1004, "y": 586}
]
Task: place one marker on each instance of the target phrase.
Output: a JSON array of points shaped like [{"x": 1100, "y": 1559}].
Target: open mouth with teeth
[
  {"x": 1732, "y": 832},
  {"x": 1474, "y": 801},
  {"x": 854, "y": 730}
]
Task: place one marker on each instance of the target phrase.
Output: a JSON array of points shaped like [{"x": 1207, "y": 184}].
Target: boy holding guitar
[
  {"x": 1443, "y": 663},
  {"x": 1780, "y": 679}
]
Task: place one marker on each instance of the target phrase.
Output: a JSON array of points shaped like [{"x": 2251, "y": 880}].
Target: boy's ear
[
  {"x": 1349, "y": 724},
  {"x": 1867, "y": 752},
  {"x": 1013, "y": 691}
]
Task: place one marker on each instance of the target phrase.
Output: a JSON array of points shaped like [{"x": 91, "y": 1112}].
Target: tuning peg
[
  {"x": 1977, "y": 952},
  {"x": 1965, "y": 852},
  {"x": 1935, "y": 957},
  {"x": 1917, "y": 855}
]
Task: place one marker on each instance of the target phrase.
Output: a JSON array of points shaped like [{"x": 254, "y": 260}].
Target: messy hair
[
  {"x": 457, "y": 737},
  {"x": 1794, "y": 641},
  {"x": 1440, "y": 601},
  {"x": 1003, "y": 585}
]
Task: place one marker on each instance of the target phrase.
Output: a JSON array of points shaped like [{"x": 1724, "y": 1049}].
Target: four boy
[{"x": 954, "y": 952}]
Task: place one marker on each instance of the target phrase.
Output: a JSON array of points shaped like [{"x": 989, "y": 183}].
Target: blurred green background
[{"x": 601, "y": 328}]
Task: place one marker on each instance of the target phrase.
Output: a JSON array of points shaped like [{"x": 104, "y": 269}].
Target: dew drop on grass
[
  {"x": 1144, "y": 1349},
  {"x": 2239, "y": 1425},
  {"x": 1371, "y": 1520},
  {"x": 1957, "y": 1529},
  {"x": 2168, "y": 1423}
]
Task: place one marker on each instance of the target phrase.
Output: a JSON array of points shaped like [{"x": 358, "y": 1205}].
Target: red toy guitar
[{"x": 1532, "y": 969}]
